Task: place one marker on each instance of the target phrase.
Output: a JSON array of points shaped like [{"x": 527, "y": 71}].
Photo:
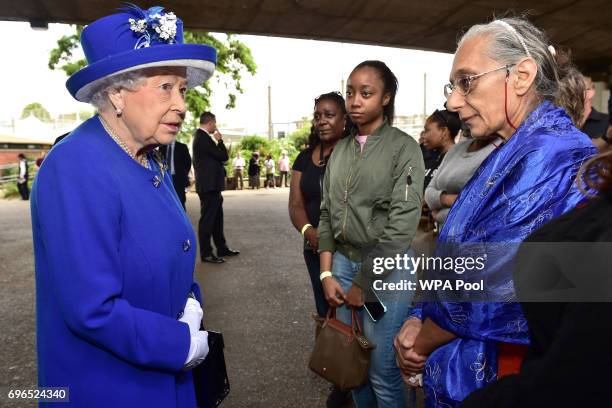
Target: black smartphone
[{"x": 375, "y": 308}]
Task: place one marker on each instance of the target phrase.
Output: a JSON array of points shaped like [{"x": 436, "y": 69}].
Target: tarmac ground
[{"x": 261, "y": 301}]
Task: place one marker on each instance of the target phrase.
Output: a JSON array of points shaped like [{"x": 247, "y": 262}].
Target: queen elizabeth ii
[{"x": 118, "y": 312}]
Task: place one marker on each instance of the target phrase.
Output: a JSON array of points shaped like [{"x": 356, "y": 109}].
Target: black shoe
[
  {"x": 213, "y": 259},
  {"x": 339, "y": 398},
  {"x": 227, "y": 252}
]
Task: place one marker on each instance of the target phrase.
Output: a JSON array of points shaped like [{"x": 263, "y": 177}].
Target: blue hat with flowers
[{"x": 134, "y": 39}]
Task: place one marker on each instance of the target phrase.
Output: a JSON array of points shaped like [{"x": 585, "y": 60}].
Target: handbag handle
[{"x": 355, "y": 322}]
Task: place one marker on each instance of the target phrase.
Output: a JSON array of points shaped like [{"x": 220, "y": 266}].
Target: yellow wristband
[
  {"x": 305, "y": 227},
  {"x": 326, "y": 274}
]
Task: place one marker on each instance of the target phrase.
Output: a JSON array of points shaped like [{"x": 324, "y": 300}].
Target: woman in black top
[
  {"x": 329, "y": 125},
  {"x": 568, "y": 363}
]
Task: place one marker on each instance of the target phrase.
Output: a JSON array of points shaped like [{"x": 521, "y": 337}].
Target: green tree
[
  {"x": 250, "y": 144},
  {"x": 299, "y": 137},
  {"x": 255, "y": 144},
  {"x": 37, "y": 110},
  {"x": 62, "y": 56},
  {"x": 233, "y": 59}
]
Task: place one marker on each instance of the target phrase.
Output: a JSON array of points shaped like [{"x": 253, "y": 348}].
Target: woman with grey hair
[
  {"x": 505, "y": 83},
  {"x": 118, "y": 310}
]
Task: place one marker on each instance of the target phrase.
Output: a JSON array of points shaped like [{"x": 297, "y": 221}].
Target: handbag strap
[
  {"x": 355, "y": 322},
  {"x": 357, "y": 332}
]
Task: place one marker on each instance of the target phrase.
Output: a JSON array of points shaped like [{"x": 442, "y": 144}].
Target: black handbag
[{"x": 210, "y": 378}]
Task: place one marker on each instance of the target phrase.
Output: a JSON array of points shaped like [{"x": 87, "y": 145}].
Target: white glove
[
  {"x": 192, "y": 315},
  {"x": 198, "y": 349}
]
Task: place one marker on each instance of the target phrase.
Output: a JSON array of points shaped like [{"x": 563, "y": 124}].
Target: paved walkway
[{"x": 260, "y": 300}]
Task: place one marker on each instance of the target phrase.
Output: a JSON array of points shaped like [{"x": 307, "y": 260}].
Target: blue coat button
[
  {"x": 186, "y": 245},
  {"x": 156, "y": 181}
]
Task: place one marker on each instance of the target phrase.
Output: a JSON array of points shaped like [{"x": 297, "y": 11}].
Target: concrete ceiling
[{"x": 584, "y": 26}]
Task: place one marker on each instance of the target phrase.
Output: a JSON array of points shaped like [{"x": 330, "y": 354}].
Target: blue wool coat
[{"x": 114, "y": 259}]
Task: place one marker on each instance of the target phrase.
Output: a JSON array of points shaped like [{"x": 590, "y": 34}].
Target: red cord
[{"x": 506, "y": 100}]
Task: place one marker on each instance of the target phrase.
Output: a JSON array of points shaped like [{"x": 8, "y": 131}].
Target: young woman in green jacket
[{"x": 369, "y": 213}]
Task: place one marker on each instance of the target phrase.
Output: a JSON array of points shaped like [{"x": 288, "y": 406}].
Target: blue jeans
[{"x": 385, "y": 388}]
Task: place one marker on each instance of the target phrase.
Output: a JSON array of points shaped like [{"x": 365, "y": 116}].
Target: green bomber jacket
[{"x": 371, "y": 202}]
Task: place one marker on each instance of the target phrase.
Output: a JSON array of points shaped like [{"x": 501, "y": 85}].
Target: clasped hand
[{"x": 408, "y": 360}]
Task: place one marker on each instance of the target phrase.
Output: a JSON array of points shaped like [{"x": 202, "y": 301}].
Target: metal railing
[{"x": 12, "y": 178}]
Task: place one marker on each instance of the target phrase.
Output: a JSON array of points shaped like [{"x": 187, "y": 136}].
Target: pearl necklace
[{"x": 143, "y": 158}]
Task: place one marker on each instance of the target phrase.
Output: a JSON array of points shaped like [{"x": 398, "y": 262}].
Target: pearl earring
[{"x": 118, "y": 111}]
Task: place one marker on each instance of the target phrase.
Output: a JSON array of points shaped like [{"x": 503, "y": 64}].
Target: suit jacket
[
  {"x": 182, "y": 163},
  {"x": 208, "y": 159},
  {"x": 109, "y": 285}
]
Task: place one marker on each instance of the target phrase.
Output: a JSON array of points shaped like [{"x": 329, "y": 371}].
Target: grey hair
[
  {"x": 512, "y": 39},
  {"x": 128, "y": 80}
]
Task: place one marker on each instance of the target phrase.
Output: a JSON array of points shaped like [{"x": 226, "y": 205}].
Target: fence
[{"x": 10, "y": 172}]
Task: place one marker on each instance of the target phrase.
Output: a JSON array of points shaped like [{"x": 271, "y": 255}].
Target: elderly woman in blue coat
[{"x": 118, "y": 312}]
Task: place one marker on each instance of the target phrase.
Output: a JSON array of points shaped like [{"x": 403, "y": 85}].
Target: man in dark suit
[
  {"x": 22, "y": 178},
  {"x": 209, "y": 153},
  {"x": 178, "y": 161}
]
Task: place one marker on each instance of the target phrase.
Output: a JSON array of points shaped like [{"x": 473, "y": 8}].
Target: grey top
[{"x": 454, "y": 172}]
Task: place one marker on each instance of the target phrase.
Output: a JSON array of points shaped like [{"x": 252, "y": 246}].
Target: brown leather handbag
[{"x": 342, "y": 353}]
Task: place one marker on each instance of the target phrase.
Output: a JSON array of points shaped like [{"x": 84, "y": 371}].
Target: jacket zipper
[
  {"x": 408, "y": 181},
  {"x": 346, "y": 190}
]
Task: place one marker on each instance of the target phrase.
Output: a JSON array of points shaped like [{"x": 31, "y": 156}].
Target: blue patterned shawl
[{"x": 522, "y": 185}]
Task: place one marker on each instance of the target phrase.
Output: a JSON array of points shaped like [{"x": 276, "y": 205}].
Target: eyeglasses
[{"x": 464, "y": 84}]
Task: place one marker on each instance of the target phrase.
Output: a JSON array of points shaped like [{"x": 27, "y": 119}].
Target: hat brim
[{"x": 198, "y": 59}]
